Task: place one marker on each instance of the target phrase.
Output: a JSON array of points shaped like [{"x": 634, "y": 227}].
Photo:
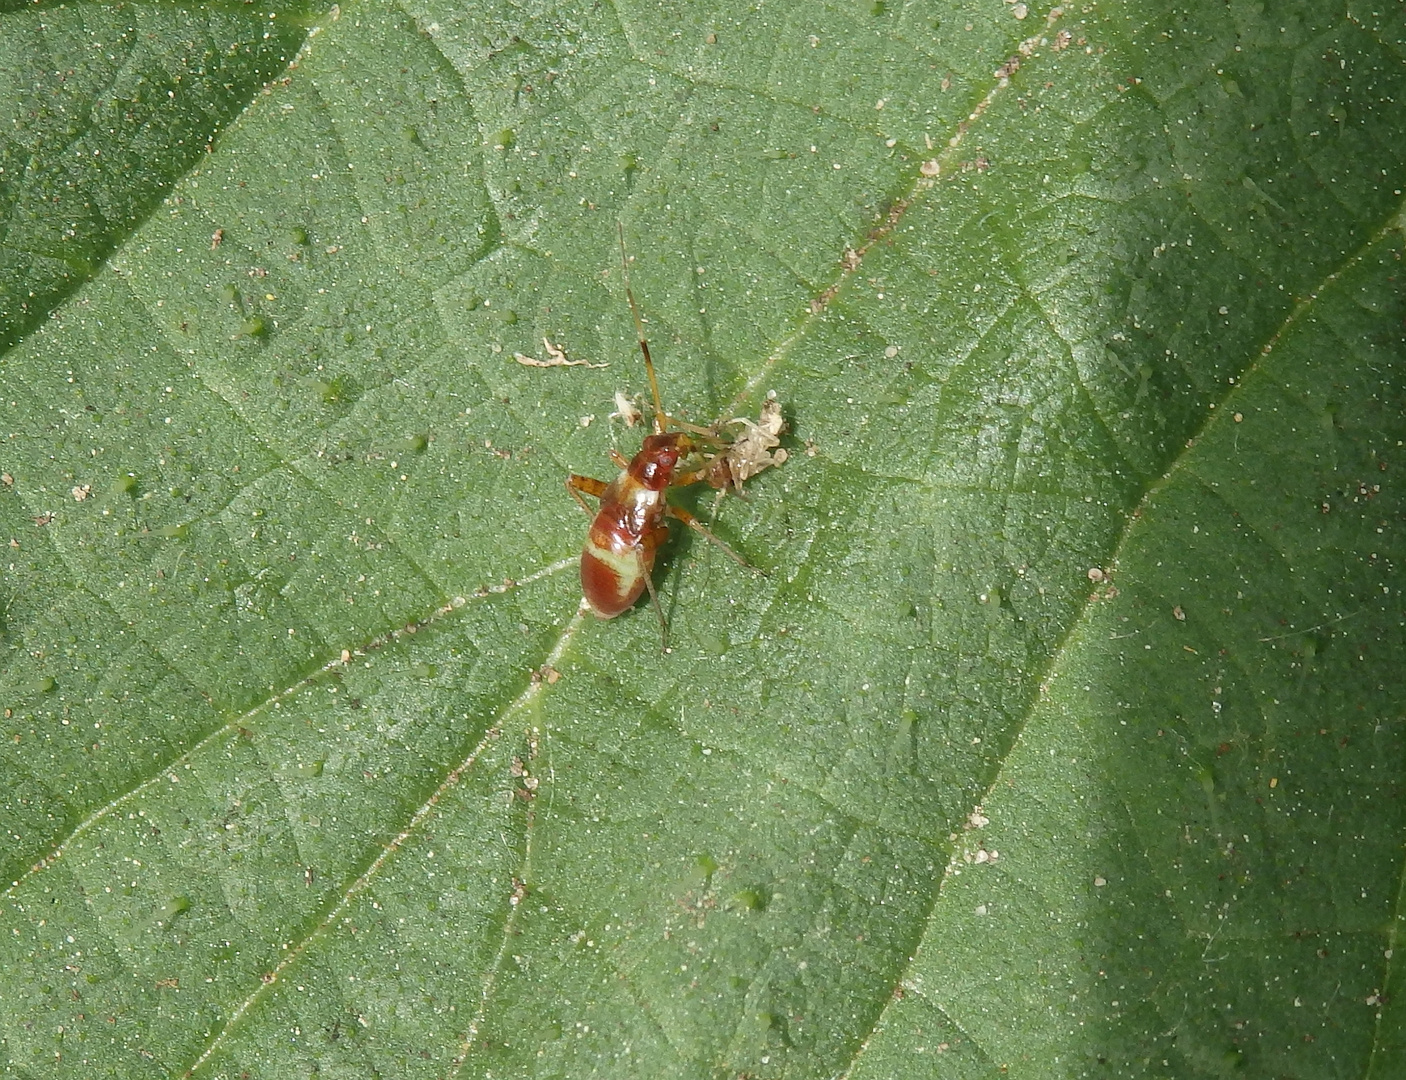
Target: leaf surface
[{"x": 1063, "y": 733}]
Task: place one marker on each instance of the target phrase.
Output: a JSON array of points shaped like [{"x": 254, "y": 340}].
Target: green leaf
[
  {"x": 1064, "y": 733},
  {"x": 104, "y": 108}
]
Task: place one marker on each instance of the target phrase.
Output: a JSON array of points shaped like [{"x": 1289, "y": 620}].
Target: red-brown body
[{"x": 627, "y": 531}]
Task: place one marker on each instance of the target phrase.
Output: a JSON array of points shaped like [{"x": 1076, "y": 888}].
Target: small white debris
[
  {"x": 556, "y": 358},
  {"x": 626, "y": 410}
]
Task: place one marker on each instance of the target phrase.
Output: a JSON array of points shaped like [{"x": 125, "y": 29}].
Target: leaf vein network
[
  {"x": 915, "y": 988},
  {"x": 764, "y": 93},
  {"x": 413, "y": 823},
  {"x": 642, "y": 1004},
  {"x": 522, "y": 701},
  {"x": 106, "y": 603},
  {"x": 292, "y": 466},
  {"x": 1060, "y": 644},
  {"x": 231, "y": 727}
]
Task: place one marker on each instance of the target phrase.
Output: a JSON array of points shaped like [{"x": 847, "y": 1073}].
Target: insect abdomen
[{"x": 612, "y": 576}]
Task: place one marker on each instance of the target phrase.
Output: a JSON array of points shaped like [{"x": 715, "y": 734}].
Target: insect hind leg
[{"x": 658, "y": 607}]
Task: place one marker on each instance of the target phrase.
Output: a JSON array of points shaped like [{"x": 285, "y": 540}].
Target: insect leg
[
  {"x": 591, "y": 486},
  {"x": 654, "y": 600},
  {"x": 705, "y": 472},
  {"x": 706, "y": 433},
  {"x": 698, "y": 527}
]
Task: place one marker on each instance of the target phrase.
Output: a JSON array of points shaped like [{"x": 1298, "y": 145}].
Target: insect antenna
[{"x": 661, "y": 418}]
